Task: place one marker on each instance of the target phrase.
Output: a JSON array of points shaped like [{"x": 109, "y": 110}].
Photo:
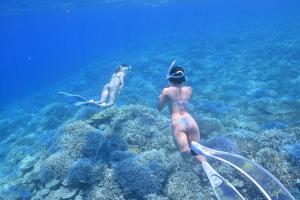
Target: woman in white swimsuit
[{"x": 110, "y": 90}]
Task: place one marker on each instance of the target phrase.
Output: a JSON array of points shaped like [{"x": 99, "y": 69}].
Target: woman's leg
[
  {"x": 112, "y": 96},
  {"x": 181, "y": 140},
  {"x": 104, "y": 94},
  {"x": 194, "y": 135}
]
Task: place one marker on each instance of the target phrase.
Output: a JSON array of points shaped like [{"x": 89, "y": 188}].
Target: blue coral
[
  {"x": 136, "y": 180},
  {"x": 275, "y": 124},
  {"x": 55, "y": 166},
  {"x": 86, "y": 112},
  {"x": 17, "y": 191},
  {"x": 112, "y": 143},
  {"x": 47, "y": 141},
  {"x": 81, "y": 139},
  {"x": 222, "y": 143},
  {"x": 158, "y": 171},
  {"x": 53, "y": 115},
  {"x": 93, "y": 144},
  {"x": 117, "y": 156},
  {"x": 294, "y": 152},
  {"x": 80, "y": 172}
]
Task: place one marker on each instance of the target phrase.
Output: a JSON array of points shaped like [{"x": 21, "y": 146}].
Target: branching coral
[
  {"x": 136, "y": 180},
  {"x": 222, "y": 143},
  {"x": 47, "y": 142},
  {"x": 209, "y": 126},
  {"x": 294, "y": 152},
  {"x": 275, "y": 163},
  {"x": 112, "y": 143},
  {"x": 54, "y": 115},
  {"x": 55, "y": 166},
  {"x": 275, "y": 139},
  {"x": 84, "y": 171},
  {"x": 17, "y": 191},
  {"x": 108, "y": 189},
  {"x": 85, "y": 112},
  {"x": 80, "y": 139},
  {"x": 183, "y": 185}
]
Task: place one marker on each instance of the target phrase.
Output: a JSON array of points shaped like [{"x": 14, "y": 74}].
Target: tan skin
[
  {"x": 184, "y": 127},
  {"x": 110, "y": 90}
]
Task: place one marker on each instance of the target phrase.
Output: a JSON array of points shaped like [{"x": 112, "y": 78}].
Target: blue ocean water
[
  {"x": 42, "y": 43},
  {"x": 242, "y": 59}
]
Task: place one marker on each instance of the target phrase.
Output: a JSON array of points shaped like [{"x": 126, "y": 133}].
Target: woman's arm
[
  {"x": 121, "y": 76},
  {"x": 162, "y": 99},
  {"x": 121, "y": 82}
]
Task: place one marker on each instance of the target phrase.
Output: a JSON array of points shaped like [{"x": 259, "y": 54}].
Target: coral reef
[
  {"x": 85, "y": 112},
  {"x": 83, "y": 171},
  {"x": 277, "y": 165},
  {"x": 53, "y": 115},
  {"x": 136, "y": 180},
  {"x": 210, "y": 126},
  {"x": 55, "y": 166},
  {"x": 185, "y": 185},
  {"x": 146, "y": 136},
  {"x": 275, "y": 139},
  {"x": 17, "y": 191},
  {"x": 222, "y": 143},
  {"x": 56, "y": 151},
  {"x": 128, "y": 153},
  {"x": 294, "y": 152},
  {"x": 275, "y": 125},
  {"x": 80, "y": 139}
]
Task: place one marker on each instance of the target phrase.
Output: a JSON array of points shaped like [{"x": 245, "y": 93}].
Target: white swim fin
[
  {"x": 75, "y": 96},
  {"x": 271, "y": 188},
  {"x": 222, "y": 188},
  {"x": 92, "y": 103}
]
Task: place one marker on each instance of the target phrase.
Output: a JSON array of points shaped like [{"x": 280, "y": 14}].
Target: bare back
[{"x": 177, "y": 99}]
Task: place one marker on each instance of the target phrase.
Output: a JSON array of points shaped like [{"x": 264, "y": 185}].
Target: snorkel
[{"x": 178, "y": 74}]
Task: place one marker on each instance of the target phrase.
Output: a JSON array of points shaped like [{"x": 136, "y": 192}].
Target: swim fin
[
  {"x": 271, "y": 188},
  {"x": 75, "y": 96},
  {"x": 81, "y": 100},
  {"x": 81, "y": 103},
  {"x": 222, "y": 188}
]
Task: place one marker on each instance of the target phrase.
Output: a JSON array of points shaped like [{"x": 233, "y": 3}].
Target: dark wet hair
[
  {"x": 119, "y": 68},
  {"x": 175, "y": 80},
  {"x": 124, "y": 65}
]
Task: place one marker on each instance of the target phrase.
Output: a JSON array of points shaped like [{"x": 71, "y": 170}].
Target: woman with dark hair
[
  {"x": 115, "y": 85},
  {"x": 176, "y": 96}
]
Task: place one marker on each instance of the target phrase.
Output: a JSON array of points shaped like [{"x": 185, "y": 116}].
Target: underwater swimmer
[
  {"x": 116, "y": 84},
  {"x": 176, "y": 96}
]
